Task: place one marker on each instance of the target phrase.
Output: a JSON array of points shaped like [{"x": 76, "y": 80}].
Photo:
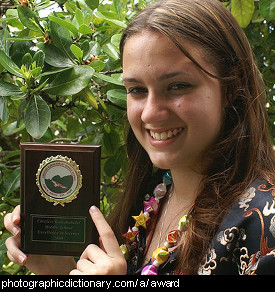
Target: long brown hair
[{"x": 243, "y": 151}]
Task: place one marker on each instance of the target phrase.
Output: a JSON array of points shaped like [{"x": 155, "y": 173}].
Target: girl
[{"x": 199, "y": 193}]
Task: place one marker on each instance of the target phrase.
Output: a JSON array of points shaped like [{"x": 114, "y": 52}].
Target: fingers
[
  {"x": 84, "y": 267},
  {"x": 13, "y": 251},
  {"x": 109, "y": 241},
  {"x": 94, "y": 261},
  {"x": 11, "y": 222},
  {"x": 106, "y": 259}
]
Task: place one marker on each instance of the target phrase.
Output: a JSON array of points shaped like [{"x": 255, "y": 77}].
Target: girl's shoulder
[{"x": 245, "y": 241}]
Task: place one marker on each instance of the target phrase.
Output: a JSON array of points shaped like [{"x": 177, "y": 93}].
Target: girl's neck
[{"x": 186, "y": 185}]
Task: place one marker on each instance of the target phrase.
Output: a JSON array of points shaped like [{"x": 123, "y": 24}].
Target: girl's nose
[{"x": 155, "y": 109}]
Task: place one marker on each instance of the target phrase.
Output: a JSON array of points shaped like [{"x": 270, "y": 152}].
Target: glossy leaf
[
  {"x": 108, "y": 79},
  {"x": 61, "y": 38},
  {"x": 39, "y": 58},
  {"x": 267, "y": 9},
  {"x": 37, "y": 117},
  {"x": 93, "y": 4},
  {"x": 79, "y": 16},
  {"x": 114, "y": 163},
  {"x": 64, "y": 23},
  {"x": 13, "y": 128},
  {"x": 111, "y": 141},
  {"x": 55, "y": 57},
  {"x": 84, "y": 29},
  {"x": 71, "y": 81},
  {"x": 78, "y": 53},
  {"x": 118, "y": 97},
  {"x": 4, "y": 114},
  {"x": 8, "y": 89},
  {"x": 29, "y": 18},
  {"x": 9, "y": 65},
  {"x": 110, "y": 50},
  {"x": 116, "y": 22},
  {"x": 12, "y": 182},
  {"x": 243, "y": 11}
]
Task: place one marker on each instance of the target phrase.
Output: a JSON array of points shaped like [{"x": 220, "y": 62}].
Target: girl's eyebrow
[
  {"x": 173, "y": 74},
  {"x": 130, "y": 80},
  {"x": 164, "y": 76}
]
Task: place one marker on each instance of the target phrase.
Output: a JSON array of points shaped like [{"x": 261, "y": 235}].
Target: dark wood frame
[{"x": 34, "y": 205}]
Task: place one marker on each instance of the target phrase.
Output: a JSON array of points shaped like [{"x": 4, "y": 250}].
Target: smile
[{"x": 165, "y": 135}]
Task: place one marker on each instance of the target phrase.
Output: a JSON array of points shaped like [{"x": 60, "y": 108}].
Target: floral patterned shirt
[{"x": 244, "y": 244}]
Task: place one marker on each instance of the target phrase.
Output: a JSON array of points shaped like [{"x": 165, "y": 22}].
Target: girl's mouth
[{"x": 165, "y": 135}]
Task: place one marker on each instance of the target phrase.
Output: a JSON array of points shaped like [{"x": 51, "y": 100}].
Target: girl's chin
[{"x": 163, "y": 163}]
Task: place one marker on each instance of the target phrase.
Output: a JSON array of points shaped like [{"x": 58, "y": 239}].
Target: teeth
[{"x": 165, "y": 135}]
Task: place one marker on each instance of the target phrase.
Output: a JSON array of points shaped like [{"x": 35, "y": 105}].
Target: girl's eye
[
  {"x": 179, "y": 86},
  {"x": 136, "y": 90}
]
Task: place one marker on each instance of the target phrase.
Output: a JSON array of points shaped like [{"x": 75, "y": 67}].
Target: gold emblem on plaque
[{"x": 59, "y": 179}]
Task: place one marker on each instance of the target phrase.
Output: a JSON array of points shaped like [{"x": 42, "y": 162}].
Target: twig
[{"x": 111, "y": 72}]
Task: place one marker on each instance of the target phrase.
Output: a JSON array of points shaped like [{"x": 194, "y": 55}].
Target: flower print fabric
[
  {"x": 244, "y": 244},
  {"x": 245, "y": 241}
]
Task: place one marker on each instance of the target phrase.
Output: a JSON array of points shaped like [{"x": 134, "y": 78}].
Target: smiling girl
[{"x": 199, "y": 192}]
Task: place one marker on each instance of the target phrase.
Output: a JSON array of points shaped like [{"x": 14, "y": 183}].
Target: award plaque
[{"x": 59, "y": 183}]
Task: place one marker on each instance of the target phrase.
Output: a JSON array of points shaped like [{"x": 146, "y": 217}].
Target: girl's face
[{"x": 175, "y": 109}]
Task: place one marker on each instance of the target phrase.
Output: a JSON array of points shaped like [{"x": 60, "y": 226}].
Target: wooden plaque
[{"x": 59, "y": 183}]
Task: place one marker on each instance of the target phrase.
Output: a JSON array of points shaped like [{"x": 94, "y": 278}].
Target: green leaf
[
  {"x": 79, "y": 16},
  {"x": 27, "y": 60},
  {"x": 267, "y": 9},
  {"x": 12, "y": 182},
  {"x": 111, "y": 141},
  {"x": 8, "y": 89},
  {"x": 13, "y": 128},
  {"x": 117, "y": 96},
  {"x": 243, "y": 11},
  {"x": 61, "y": 38},
  {"x": 9, "y": 65},
  {"x": 116, "y": 22},
  {"x": 53, "y": 72},
  {"x": 93, "y": 4},
  {"x": 97, "y": 65},
  {"x": 84, "y": 29},
  {"x": 71, "y": 81},
  {"x": 110, "y": 50},
  {"x": 55, "y": 57},
  {"x": 4, "y": 40},
  {"x": 39, "y": 58},
  {"x": 76, "y": 51},
  {"x": 37, "y": 117},
  {"x": 40, "y": 87},
  {"x": 114, "y": 163},
  {"x": 115, "y": 40},
  {"x": 4, "y": 114},
  {"x": 64, "y": 23},
  {"x": 12, "y": 16},
  {"x": 29, "y": 19},
  {"x": 108, "y": 79},
  {"x": 4, "y": 207}
]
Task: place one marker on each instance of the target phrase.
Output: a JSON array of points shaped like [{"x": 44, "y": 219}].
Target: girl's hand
[
  {"x": 38, "y": 264},
  {"x": 12, "y": 224},
  {"x": 106, "y": 259}
]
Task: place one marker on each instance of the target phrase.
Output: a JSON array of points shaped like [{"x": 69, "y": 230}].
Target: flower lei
[{"x": 151, "y": 208}]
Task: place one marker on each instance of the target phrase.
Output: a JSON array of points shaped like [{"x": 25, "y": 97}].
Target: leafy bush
[{"x": 61, "y": 82}]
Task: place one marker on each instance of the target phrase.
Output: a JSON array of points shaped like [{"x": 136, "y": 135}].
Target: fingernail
[
  {"x": 94, "y": 209},
  {"x": 15, "y": 230},
  {"x": 14, "y": 218},
  {"x": 21, "y": 259}
]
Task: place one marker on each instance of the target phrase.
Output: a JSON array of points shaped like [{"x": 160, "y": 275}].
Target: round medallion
[{"x": 59, "y": 179}]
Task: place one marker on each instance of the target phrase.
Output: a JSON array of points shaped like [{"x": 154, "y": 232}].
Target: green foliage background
[{"x": 60, "y": 81}]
